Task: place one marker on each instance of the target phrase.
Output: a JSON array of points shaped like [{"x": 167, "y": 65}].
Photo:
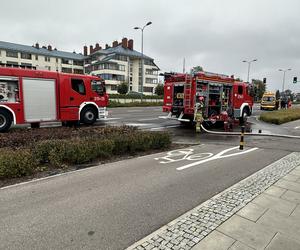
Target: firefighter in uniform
[{"x": 198, "y": 115}]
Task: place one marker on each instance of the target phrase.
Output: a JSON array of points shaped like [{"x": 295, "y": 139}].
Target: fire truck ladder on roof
[{"x": 187, "y": 91}]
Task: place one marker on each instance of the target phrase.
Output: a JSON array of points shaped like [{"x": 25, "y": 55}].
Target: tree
[
  {"x": 196, "y": 69},
  {"x": 159, "y": 90},
  {"x": 123, "y": 88},
  {"x": 259, "y": 88},
  {"x": 277, "y": 94}
]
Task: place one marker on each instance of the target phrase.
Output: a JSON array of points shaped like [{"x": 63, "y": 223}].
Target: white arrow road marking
[{"x": 217, "y": 156}]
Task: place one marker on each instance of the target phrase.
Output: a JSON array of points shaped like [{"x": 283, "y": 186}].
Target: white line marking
[
  {"x": 171, "y": 126},
  {"x": 138, "y": 124},
  {"x": 110, "y": 119},
  {"x": 217, "y": 156},
  {"x": 297, "y": 127},
  {"x": 147, "y": 119}
]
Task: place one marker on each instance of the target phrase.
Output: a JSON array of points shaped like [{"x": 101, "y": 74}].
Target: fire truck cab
[
  {"x": 35, "y": 96},
  {"x": 222, "y": 97}
]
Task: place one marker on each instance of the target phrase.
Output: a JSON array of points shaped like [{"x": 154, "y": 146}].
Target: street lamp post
[
  {"x": 283, "y": 80},
  {"x": 249, "y": 64},
  {"x": 142, "y": 80}
]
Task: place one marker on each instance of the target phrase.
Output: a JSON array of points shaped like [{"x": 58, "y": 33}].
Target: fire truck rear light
[{"x": 168, "y": 97}]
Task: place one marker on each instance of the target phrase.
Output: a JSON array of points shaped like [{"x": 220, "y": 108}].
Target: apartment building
[
  {"x": 116, "y": 64},
  {"x": 121, "y": 63},
  {"x": 44, "y": 58}
]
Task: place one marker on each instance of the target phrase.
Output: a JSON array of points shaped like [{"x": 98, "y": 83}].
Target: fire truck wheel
[
  {"x": 88, "y": 116},
  {"x": 5, "y": 120}
]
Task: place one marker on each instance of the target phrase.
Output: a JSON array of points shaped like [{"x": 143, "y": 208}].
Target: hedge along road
[{"x": 115, "y": 205}]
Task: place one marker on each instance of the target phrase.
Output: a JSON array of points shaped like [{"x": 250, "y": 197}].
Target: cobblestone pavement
[{"x": 191, "y": 228}]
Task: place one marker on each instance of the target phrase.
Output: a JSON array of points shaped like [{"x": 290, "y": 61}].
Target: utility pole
[
  {"x": 142, "y": 60},
  {"x": 249, "y": 64},
  {"x": 283, "y": 80}
]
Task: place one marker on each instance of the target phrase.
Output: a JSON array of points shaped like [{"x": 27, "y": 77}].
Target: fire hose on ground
[{"x": 251, "y": 134}]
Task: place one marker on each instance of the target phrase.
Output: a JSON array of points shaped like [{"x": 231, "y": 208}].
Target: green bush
[
  {"x": 86, "y": 146},
  {"x": 16, "y": 163},
  {"x": 281, "y": 116},
  {"x": 61, "y": 152}
]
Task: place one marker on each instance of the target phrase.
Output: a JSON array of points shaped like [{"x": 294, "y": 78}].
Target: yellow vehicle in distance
[{"x": 269, "y": 102}]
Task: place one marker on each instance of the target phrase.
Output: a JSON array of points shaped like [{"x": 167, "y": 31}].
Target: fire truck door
[{"x": 76, "y": 92}]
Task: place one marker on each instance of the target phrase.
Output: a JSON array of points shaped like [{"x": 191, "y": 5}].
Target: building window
[
  {"x": 26, "y": 65},
  {"x": 151, "y": 72},
  {"x": 78, "y": 63},
  {"x": 120, "y": 58},
  {"x": 65, "y": 61},
  {"x": 11, "y": 54},
  {"x": 36, "y": 57},
  {"x": 66, "y": 70},
  {"x": 148, "y": 89},
  {"x": 26, "y": 56},
  {"x": 78, "y": 71},
  {"x": 78, "y": 86},
  {"x": 47, "y": 59},
  {"x": 122, "y": 67},
  {"x": 151, "y": 80},
  {"x": 114, "y": 87},
  {"x": 111, "y": 66},
  {"x": 56, "y": 60},
  {"x": 13, "y": 64},
  {"x": 113, "y": 77}
]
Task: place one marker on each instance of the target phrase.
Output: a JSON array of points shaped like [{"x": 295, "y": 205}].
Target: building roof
[
  {"x": 40, "y": 51},
  {"x": 122, "y": 51}
]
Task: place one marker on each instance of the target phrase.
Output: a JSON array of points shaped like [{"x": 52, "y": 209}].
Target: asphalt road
[{"x": 114, "y": 205}]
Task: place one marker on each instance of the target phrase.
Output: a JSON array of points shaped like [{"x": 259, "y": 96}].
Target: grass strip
[{"x": 281, "y": 116}]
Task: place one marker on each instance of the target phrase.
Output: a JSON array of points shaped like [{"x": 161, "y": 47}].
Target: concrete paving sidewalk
[{"x": 270, "y": 221}]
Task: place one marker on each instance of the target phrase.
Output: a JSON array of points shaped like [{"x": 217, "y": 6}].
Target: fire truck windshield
[{"x": 98, "y": 87}]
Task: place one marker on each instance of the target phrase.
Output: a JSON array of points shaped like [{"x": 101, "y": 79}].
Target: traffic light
[
  {"x": 265, "y": 80},
  {"x": 295, "y": 80}
]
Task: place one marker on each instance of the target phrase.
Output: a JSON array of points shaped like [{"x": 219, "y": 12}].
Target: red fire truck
[
  {"x": 34, "y": 96},
  {"x": 223, "y": 99}
]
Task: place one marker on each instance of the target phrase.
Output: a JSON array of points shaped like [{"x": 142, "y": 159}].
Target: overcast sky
[{"x": 216, "y": 34}]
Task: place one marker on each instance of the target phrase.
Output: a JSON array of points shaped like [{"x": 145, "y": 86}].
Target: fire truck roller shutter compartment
[{"x": 39, "y": 99}]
